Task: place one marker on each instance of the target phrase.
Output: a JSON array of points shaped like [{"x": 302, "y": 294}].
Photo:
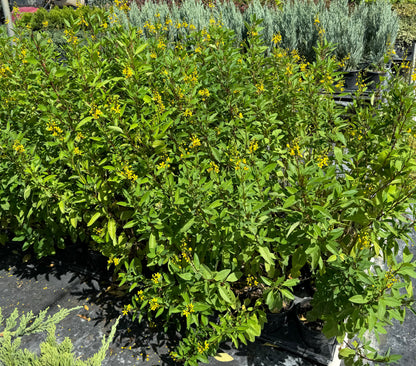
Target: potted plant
[{"x": 381, "y": 24}]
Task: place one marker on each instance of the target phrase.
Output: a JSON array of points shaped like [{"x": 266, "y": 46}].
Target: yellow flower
[
  {"x": 18, "y": 147},
  {"x": 203, "y": 347},
  {"x": 195, "y": 142},
  {"x": 140, "y": 295},
  {"x": 127, "y": 309},
  {"x": 128, "y": 72},
  {"x": 251, "y": 281},
  {"x": 213, "y": 167},
  {"x": 156, "y": 277},
  {"x": 322, "y": 161},
  {"x": 96, "y": 114},
  {"x": 253, "y": 146},
  {"x": 153, "y": 55},
  {"x": 188, "y": 310},
  {"x": 116, "y": 261},
  {"x": 77, "y": 151},
  {"x": 277, "y": 38},
  {"x": 154, "y": 304},
  {"x": 128, "y": 173},
  {"x": 260, "y": 87},
  {"x": 187, "y": 113},
  {"x": 294, "y": 150},
  {"x": 45, "y": 23}
]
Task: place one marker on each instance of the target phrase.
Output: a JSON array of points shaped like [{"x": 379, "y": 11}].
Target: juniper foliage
[{"x": 52, "y": 353}]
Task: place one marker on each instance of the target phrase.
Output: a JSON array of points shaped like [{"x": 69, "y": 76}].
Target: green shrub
[
  {"x": 214, "y": 178},
  {"x": 51, "y": 352},
  {"x": 56, "y": 17},
  {"x": 407, "y": 18}
]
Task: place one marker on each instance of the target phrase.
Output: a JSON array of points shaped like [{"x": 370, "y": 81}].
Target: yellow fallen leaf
[
  {"x": 270, "y": 345},
  {"x": 223, "y": 357},
  {"x": 86, "y": 307},
  {"x": 302, "y": 318}
]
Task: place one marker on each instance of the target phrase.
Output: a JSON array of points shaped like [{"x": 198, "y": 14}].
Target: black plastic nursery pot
[
  {"x": 404, "y": 52},
  {"x": 351, "y": 80},
  {"x": 374, "y": 80},
  {"x": 288, "y": 332}
]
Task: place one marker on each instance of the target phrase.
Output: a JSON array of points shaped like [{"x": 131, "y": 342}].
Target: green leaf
[
  {"x": 140, "y": 49},
  {"x": 222, "y": 275},
  {"x": 111, "y": 225},
  {"x": 268, "y": 168},
  {"x": 152, "y": 243},
  {"x": 346, "y": 352},
  {"x": 74, "y": 222},
  {"x": 187, "y": 226},
  {"x": 94, "y": 218},
  {"x": 391, "y": 301},
  {"x": 83, "y": 122},
  {"x": 115, "y": 128},
  {"x": 358, "y": 299},
  {"x": 130, "y": 224},
  {"x": 26, "y": 193},
  {"x": 323, "y": 211},
  {"x": 267, "y": 255},
  {"x": 187, "y": 276},
  {"x": 286, "y": 293},
  {"x": 233, "y": 277},
  {"x": 226, "y": 294},
  {"x": 290, "y": 201},
  {"x": 338, "y": 154}
]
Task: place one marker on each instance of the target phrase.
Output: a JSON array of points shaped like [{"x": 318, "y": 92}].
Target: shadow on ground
[{"x": 78, "y": 277}]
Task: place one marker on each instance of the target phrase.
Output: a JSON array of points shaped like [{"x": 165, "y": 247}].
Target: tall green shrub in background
[{"x": 214, "y": 178}]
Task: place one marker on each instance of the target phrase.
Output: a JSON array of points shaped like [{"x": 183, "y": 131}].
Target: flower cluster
[
  {"x": 154, "y": 305},
  {"x": 277, "y": 38},
  {"x": 127, "y": 309},
  {"x": 17, "y": 146},
  {"x": 140, "y": 295},
  {"x": 191, "y": 78},
  {"x": 128, "y": 72},
  {"x": 390, "y": 279},
  {"x": 204, "y": 93},
  {"x": 122, "y": 5},
  {"x": 253, "y": 146},
  {"x": 114, "y": 260},
  {"x": 195, "y": 142},
  {"x": 188, "y": 310},
  {"x": 186, "y": 251},
  {"x": 164, "y": 164},
  {"x": 4, "y": 70},
  {"x": 71, "y": 37},
  {"x": 56, "y": 130},
  {"x": 364, "y": 240},
  {"x": 156, "y": 277},
  {"x": 294, "y": 150},
  {"x": 95, "y": 112},
  {"x": 251, "y": 281},
  {"x": 203, "y": 347},
  {"x": 213, "y": 167},
  {"x": 322, "y": 160},
  {"x": 158, "y": 99},
  {"x": 128, "y": 173}
]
